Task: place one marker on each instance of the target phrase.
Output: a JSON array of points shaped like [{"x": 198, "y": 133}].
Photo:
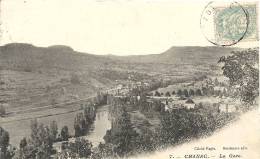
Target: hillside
[
  {"x": 177, "y": 61},
  {"x": 26, "y": 69},
  {"x": 30, "y": 73},
  {"x": 34, "y": 79},
  {"x": 26, "y": 56},
  {"x": 242, "y": 133},
  {"x": 18, "y": 56},
  {"x": 181, "y": 55}
]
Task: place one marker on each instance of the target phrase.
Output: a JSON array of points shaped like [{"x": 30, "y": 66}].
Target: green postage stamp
[{"x": 228, "y": 23}]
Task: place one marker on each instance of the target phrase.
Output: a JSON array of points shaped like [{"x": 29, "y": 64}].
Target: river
[
  {"x": 21, "y": 128},
  {"x": 100, "y": 126}
]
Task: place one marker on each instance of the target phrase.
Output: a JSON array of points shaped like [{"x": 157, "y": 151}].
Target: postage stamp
[
  {"x": 252, "y": 30},
  {"x": 226, "y": 24}
]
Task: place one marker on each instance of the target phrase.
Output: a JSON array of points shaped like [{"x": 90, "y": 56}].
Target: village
[
  {"x": 147, "y": 100},
  {"x": 209, "y": 94}
]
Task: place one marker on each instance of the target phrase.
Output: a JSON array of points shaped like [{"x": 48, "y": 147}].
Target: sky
[{"x": 119, "y": 27}]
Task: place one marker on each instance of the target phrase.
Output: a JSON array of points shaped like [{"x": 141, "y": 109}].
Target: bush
[
  {"x": 64, "y": 133},
  {"x": 167, "y": 94},
  {"x": 157, "y": 94}
]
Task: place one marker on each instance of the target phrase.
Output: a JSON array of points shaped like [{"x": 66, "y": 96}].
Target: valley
[{"x": 58, "y": 83}]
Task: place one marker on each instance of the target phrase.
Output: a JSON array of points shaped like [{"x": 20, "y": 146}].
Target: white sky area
[{"x": 104, "y": 26}]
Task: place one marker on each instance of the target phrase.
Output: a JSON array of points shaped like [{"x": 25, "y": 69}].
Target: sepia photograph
[{"x": 129, "y": 79}]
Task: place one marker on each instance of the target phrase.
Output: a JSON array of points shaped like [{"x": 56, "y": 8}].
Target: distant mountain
[
  {"x": 182, "y": 55},
  {"x": 61, "y": 48},
  {"x": 31, "y": 75},
  {"x": 24, "y": 56},
  {"x": 18, "y": 56}
]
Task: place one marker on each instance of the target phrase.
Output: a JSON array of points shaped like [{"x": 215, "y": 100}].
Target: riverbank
[
  {"x": 65, "y": 117},
  {"x": 100, "y": 126}
]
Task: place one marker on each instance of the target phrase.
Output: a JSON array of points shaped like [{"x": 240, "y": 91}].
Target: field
[
  {"x": 33, "y": 95},
  {"x": 19, "y": 128}
]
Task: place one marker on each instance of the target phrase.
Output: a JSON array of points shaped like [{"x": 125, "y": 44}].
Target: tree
[
  {"x": 179, "y": 93},
  {"x": 242, "y": 69},
  {"x": 197, "y": 124},
  {"x": 2, "y": 110},
  {"x": 191, "y": 92},
  {"x": 103, "y": 151},
  {"x": 123, "y": 136},
  {"x": 64, "y": 133},
  {"x": 210, "y": 90},
  {"x": 217, "y": 93},
  {"x": 5, "y": 152},
  {"x": 81, "y": 125},
  {"x": 53, "y": 130},
  {"x": 77, "y": 130},
  {"x": 89, "y": 114},
  {"x": 157, "y": 94},
  {"x": 40, "y": 143},
  {"x": 224, "y": 93},
  {"x": 82, "y": 147},
  {"x": 198, "y": 92},
  {"x": 101, "y": 98},
  {"x": 186, "y": 93},
  {"x": 23, "y": 143},
  {"x": 145, "y": 141},
  {"x": 174, "y": 126},
  {"x": 77, "y": 124},
  {"x": 205, "y": 91},
  {"x": 173, "y": 92},
  {"x": 22, "y": 150},
  {"x": 45, "y": 148},
  {"x": 167, "y": 94}
]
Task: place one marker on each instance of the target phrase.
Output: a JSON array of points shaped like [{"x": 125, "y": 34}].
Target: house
[
  {"x": 219, "y": 88},
  {"x": 119, "y": 86},
  {"x": 166, "y": 108},
  {"x": 58, "y": 146},
  {"x": 189, "y": 104}
]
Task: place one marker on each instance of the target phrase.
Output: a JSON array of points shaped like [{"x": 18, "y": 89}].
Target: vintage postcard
[{"x": 136, "y": 79}]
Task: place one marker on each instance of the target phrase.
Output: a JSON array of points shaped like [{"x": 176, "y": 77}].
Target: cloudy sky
[{"x": 119, "y": 27}]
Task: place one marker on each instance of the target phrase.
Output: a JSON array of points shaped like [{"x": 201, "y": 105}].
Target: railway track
[
  {"x": 51, "y": 106},
  {"x": 40, "y": 116},
  {"x": 59, "y": 105}
]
